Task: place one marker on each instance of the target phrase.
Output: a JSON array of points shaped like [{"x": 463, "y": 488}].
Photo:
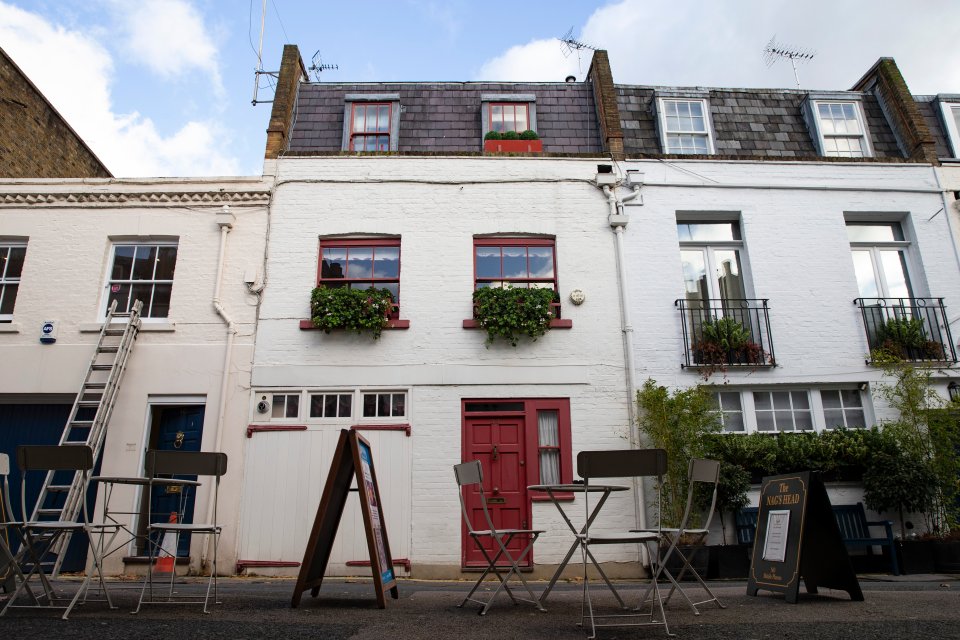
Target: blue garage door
[{"x": 22, "y": 424}]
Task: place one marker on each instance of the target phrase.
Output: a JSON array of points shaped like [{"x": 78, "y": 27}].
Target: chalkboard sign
[
  {"x": 352, "y": 461},
  {"x": 798, "y": 538}
]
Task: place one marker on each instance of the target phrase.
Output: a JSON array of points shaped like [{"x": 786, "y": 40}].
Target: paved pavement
[{"x": 894, "y": 607}]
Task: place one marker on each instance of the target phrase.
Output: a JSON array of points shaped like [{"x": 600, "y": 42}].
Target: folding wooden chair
[
  {"x": 470, "y": 474},
  {"x": 691, "y": 535},
  {"x": 185, "y": 463},
  {"x": 40, "y": 536},
  {"x": 621, "y": 464}
]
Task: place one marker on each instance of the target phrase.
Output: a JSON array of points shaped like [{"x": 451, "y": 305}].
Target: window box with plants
[
  {"x": 512, "y": 142},
  {"x": 514, "y": 313},
  {"x": 364, "y": 311},
  {"x": 726, "y": 342}
]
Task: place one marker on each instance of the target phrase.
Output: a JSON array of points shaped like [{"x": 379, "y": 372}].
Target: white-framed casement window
[
  {"x": 880, "y": 252},
  {"x": 685, "y": 126},
  {"x": 841, "y": 129},
  {"x": 950, "y": 112},
  {"x": 331, "y": 404},
  {"x": 141, "y": 271},
  {"x": 12, "y": 255},
  {"x": 502, "y": 112},
  {"x": 710, "y": 259},
  {"x": 791, "y": 409},
  {"x": 384, "y": 404},
  {"x": 371, "y": 122}
]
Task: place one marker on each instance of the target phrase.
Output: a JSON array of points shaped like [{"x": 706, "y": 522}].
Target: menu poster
[
  {"x": 775, "y": 542},
  {"x": 373, "y": 504}
]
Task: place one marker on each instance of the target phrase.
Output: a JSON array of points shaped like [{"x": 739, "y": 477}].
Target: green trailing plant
[
  {"x": 725, "y": 333},
  {"x": 529, "y": 134},
  {"x": 493, "y": 135},
  {"x": 360, "y": 310},
  {"x": 904, "y": 339},
  {"x": 511, "y": 313},
  {"x": 724, "y": 341},
  {"x": 677, "y": 422},
  {"x": 510, "y": 135}
]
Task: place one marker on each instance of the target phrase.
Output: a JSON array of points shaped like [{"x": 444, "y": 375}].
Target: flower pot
[
  {"x": 916, "y": 556},
  {"x": 946, "y": 556},
  {"x": 513, "y": 146},
  {"x": 729, "y": 562}
]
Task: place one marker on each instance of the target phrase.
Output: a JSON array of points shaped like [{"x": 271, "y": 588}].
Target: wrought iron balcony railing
[
  {"x": 912, "y": 329},
  {"x": 722, "y": 333}
]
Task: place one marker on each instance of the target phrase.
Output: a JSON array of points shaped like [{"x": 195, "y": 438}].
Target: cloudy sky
[{"x": 164, "y": 87}]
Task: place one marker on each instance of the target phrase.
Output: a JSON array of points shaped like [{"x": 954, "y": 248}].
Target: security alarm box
[{"x": 48, "y": 332}]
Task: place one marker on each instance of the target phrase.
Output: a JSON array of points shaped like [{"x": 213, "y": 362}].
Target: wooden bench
[{"x": 853, "y": 524}]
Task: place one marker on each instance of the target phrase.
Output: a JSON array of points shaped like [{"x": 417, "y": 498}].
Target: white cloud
[
  {"x": 74, "y": 72},
  {"x": 720, "y": 44},
  {"x": 168, "y": 36}
]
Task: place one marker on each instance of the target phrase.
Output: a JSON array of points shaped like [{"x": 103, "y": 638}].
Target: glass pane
[
  {"x": 830, "y": 399},
  {"x": 359, "y": 263},
  {"x": 166, "y": 262},
  {"x": 369, "y": 405},
  {"x": 895, "y": 273},
  {"x": 833, "y": 418},
  {"x": 316, "y": 406},
  {"x": 710, "y": 231},
  {"x": 383, "y": 404},
  {"x": 496, "y": 118},
  {"x": 14, "y": 263},
  {"x": 761, "y": 400},
  {"x": 329, "y": 406},
  {"x": 549, "y": 466},
  {"x": 161, "y": 301},
  {"x": 800, "y": 400},
  {"x": 826, "y": 122},
  {"x": 548, "y": 428},
  {"x": 488, "y": 262},
  {"x": 120, "y": 293},
  {"x": 293, "y": 406},
  {"x": 956, "y": 117},
  {"x": 383, "y": 118},
  {"x": 857, "y": 232},
  {"x": 278, "y": 407},
  {"x": 399, "y": 404},
  {"x": 122, "y": 262},
  {"x": 386, "y": 262},
  {"x": 851, "y": 398},
  {"x": 730, "y": 401},
  {"x": 784, "y": 420},
  {"x": 855, "y": 418},
  {"x": 670, "y": 107},
  {"x": 804, "y": 420},
  {"x": 144, "y": 262},
  {"x": 334, "y": 263},
  {"x": 765, "y": 421},
  {"x": 781, "y": 400},
  {"x": 8, "y": 296},
  {"x": 733, "y": 422},
  {"x": 694, "y": 275},
  {"x": 358, "y": 113},
  {"x": 728, "y": 274},
  {"x": 541, "y": 262},
  {"x": 143, "y": 293},
  {"x": 393, "y": 287},
  {"x": 522, "y": 118},
  {"x": 346, "y": 405},
  {"x": 866, "y": 278},
  {"x": 515, "y": 262}
]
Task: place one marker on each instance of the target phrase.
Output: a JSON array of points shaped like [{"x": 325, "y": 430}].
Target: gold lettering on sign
[{"x": 771, "y": 574}]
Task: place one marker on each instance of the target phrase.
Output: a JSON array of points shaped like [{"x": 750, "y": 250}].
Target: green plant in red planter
[
  {"x": 493, "y": 135},
  {"x": 360, "y": 310},
  {"x": 725, "y": 341},
  {"x": 510, "y": 313}
]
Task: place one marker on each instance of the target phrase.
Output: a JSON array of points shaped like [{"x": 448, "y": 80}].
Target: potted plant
[
  {"x": 360, "y": 310},
  {"x": 725, "y": 341},
  {"x": 512, "y": 142},
  {"x": 906, "y": 339},
  {"x": 511, "y": 313}
]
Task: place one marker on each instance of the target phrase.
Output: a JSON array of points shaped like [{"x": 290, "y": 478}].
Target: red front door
[{"x": 497, "y": 440}]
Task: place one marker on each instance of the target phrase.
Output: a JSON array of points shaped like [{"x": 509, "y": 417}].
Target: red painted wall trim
[
  {"x": 261, "y": 428},
  {"x": 382, "y": 427},
  {"x": 246, "y": 564},
  {"x": 556, "y": 323},
  {"x": 307, "y": 325},
  {"x": 402, "y": 562}
]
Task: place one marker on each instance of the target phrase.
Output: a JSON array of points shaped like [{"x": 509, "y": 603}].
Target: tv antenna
[
  {"x": 775, "y": 51},
  {"x": 318, "y": 66},
  {"x": 568, "y": 45}
]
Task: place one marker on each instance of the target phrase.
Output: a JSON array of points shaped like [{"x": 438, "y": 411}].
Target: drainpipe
[
  {"x": 618, "y": 222},
  {"x": 225, "y": 221}
]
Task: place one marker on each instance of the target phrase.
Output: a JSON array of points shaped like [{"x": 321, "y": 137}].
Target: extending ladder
[{"x": 61, "y": 497}]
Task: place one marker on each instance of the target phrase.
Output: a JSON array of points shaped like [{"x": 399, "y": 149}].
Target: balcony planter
[
  {"x": 513, "y": 146},
  {"x": 510, "y": 313}
]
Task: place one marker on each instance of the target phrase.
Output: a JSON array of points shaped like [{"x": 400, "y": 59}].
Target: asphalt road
[{"x": 928, "y": 607}]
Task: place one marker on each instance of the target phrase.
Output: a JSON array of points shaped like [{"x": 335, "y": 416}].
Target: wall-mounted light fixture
[
  {"x": 863, "y": 386},
  {"x": 953, "y": 390}
]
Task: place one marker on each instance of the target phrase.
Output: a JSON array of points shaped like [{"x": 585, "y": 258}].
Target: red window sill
[
  {"x": 537, "y": 496},
  {"x": 307, "y": 325},
  {"x": 558, "y": 323}
]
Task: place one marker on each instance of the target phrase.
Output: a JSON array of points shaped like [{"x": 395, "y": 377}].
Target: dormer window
[
  {"x": 951, "y": 120},
  {"x": 840, "y": 129},
  {"x": 371, "y": 122},
  {"x": 685, "y": 126},
  {"x": 509, "y": 116}
]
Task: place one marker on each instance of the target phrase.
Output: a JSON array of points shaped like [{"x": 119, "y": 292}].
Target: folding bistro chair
[
  {"x": 40, "y": 536},
  {"x": 621, "y": 464},
  {"x": 470, "y": 474},
  {"x": 702, "y": 474},
  {"x": 10, "y": 574},
  {"x": 189, "y": 463}
]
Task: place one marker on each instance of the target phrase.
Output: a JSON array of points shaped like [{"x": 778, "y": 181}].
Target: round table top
[
  {"x": 576, "y": 487},
  {"x": 141, "y": 481}
]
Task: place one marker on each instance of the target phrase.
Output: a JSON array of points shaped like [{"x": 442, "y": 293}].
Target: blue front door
[{"x": 176, "y": 428}]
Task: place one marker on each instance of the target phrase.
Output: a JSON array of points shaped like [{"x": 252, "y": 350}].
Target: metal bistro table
[
  {"x": 110, "y": 483},
  {"x": 552, "y": 490}
]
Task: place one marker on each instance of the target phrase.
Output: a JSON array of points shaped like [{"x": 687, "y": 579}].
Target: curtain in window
[{"x": 548, "y": 432}]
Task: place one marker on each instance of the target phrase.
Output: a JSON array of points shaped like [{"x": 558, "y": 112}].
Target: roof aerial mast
[
  {"x": 775, "y": 51},
  {"x": 568, "y": 45}
]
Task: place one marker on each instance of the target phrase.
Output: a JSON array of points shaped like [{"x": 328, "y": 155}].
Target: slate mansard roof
[{"x": 445, "y": 117}]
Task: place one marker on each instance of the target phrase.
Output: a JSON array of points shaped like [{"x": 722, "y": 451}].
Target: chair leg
[{"x": 148, "y": 580}]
